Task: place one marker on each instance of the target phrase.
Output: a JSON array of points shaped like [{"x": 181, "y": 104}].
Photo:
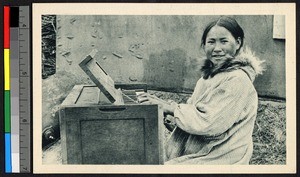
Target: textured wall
[
  {"x": 163, "y": 51},
  {"x": 259, "y": 32}
]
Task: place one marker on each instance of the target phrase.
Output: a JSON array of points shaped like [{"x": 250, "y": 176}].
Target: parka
[{"x": 215, "y": 126}]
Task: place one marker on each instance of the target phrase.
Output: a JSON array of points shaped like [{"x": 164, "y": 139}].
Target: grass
[{"x": 269, "y": 136}]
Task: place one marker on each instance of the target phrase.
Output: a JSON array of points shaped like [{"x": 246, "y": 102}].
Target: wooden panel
[
  {"x": 118, "y": 120},
  {"x": 73, "y": 96},
  {"x": 71, "y": 147},
  {"x": 63, "y": 135},
  {"x": 88, "y": 95},
  {"x": 132, "y": 86},
  {"x": 97, "y": 74},
  {"x": 89, "y": 129},
  {"x": 118, "y": 141},
  {"x": 74, "y": 147}
]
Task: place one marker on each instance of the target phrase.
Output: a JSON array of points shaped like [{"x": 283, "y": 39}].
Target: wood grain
[
  {"x": 92, "y": 133},
  {"x": 97, "y": 74}
]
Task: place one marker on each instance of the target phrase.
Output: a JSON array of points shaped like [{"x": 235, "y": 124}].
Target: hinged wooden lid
[{"x": 103, "y": 81}]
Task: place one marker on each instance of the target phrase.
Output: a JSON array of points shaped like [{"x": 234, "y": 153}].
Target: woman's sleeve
[{"x": 218, "y": 112}]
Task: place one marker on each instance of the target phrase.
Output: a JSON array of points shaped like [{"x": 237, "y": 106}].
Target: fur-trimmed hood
[{"x": 245, "y": 60}]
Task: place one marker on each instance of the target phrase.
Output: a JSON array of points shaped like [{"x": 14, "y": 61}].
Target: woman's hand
[{"x": 168, "y": 108}]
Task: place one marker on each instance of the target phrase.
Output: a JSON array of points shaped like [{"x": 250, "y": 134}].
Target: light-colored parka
[{"x": 216, "y": 124}]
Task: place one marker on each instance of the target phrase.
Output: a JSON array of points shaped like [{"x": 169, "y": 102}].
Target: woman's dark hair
[{"x": 230, "y": 24}]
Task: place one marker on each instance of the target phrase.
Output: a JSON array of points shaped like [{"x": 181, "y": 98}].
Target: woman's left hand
[{"x": 168, "y": 108}]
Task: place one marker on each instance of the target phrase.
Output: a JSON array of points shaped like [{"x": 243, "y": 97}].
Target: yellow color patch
[{"x": 6, "y": 70}]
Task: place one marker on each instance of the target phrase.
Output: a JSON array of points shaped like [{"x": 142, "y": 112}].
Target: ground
[{"x": 269, "y": 136}]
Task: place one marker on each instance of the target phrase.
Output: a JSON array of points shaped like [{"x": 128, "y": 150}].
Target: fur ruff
[{"x": 245, "y": 58}]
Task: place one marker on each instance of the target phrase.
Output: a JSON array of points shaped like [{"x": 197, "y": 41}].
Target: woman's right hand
[{"x": 168, "y": 108}]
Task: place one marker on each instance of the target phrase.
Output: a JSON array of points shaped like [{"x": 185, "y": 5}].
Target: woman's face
[{"x": 220, "y": 44}]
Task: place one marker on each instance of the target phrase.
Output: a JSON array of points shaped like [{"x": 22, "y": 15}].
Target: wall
[{"x": 163, "y": 51}]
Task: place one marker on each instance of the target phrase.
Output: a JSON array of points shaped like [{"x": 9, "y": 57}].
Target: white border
[{"x": 287, "y": 9}]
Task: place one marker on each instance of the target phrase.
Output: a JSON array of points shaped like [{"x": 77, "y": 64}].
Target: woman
[{"x": 215, "y": 125}]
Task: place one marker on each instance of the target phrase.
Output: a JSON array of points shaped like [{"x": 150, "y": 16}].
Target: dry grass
[{"x": 269, "y": 134}]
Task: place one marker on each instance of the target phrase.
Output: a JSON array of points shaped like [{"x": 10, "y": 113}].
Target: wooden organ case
[{"x": 104, "y": 123}]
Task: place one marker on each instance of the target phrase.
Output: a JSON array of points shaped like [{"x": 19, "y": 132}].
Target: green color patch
[{"x": 7, "y": 115}]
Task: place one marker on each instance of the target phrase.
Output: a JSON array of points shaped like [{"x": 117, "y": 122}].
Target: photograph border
[{"x": 287, "y": 9}]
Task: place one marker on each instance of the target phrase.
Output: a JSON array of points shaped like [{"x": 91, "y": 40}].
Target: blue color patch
[{"x": 8, "y": 164}]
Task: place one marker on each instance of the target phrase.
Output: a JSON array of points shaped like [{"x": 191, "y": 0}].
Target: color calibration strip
[
  {"x": 17, "y": 89},
  {"x": 7, "y": 105},
  {"x": 14, "y": 88}
]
